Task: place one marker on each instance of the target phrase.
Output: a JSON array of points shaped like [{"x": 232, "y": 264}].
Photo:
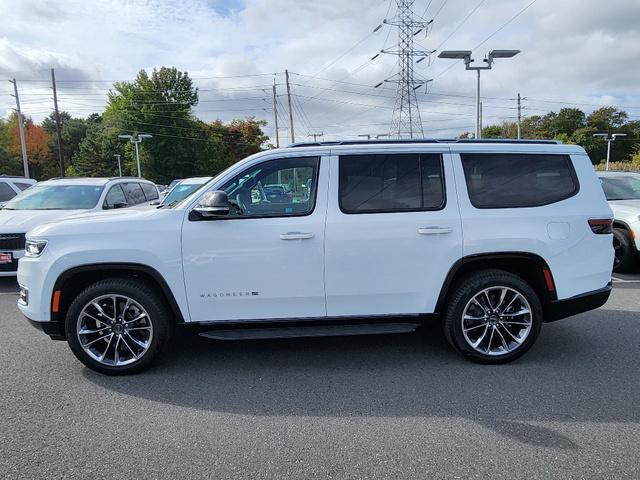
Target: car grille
[
  {"x": 12, "y": 241},
  {"x": 9, "y": 267}
]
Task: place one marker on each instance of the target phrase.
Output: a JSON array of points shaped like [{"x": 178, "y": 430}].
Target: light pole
[
  {"x": 609, "y": 139},
  {"x": 119, "y": 164},
  {"x": 135, "y": 141},
  {"x": 465, "y": 55}
]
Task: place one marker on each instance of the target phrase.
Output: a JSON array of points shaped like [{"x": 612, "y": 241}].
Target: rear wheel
[
  {"x": 624, "y": 259},
  {"x": 493, "y": 317},
  {"x": 117, "y": 326}
]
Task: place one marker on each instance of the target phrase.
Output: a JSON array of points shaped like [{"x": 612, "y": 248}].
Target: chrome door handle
[
  {"x": 434, "y": 230},
  {"x": 295, "y": 236}
]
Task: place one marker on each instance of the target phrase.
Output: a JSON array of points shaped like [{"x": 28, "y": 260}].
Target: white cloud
[{"x": 574, "y": 50}]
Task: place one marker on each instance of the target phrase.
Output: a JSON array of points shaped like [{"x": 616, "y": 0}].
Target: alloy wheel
[
  {"x": 114, "y": 330},
  {"x": 497, "y": 321}
]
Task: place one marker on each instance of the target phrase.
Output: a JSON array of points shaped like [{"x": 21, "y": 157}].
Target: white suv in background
[
  {"x": 54, "y": 199},
  {"x": 622, "y": 190},
  {"x": 489, "y": 237},
  {"x": 12, "y": 186}
]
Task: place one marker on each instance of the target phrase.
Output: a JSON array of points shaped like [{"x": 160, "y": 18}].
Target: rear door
[{"x": 393, "y": 232}]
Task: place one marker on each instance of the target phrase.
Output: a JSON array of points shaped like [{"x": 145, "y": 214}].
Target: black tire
[
  {"x": 625, "y": 258},
  {"x": 140, "y": 292},
  {"x": 463, "y": 293}
]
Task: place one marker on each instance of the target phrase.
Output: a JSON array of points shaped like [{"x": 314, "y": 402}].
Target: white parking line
[
  {"x": 622, "y": 280},
  {"x": 9, "y": 293}
]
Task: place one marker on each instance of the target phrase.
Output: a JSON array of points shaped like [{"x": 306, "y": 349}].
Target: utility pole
[
  {"x": 293, "y": 137},
  {"x": 58, "y": 126},
  {"x": 119, "y": 164},
  {"x": 23, "y": 143},
  {"x": 405, "y": 120},
  {"x": 316, "y": 135},
  {"x": 480, "y": 119},
  {"x": 275, "y": 113},
  {"x": 519, "y": 116}
]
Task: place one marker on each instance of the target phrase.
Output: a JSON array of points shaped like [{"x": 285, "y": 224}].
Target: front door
[
  {"x": 265, "y": 259},
  {"x": 393, "y": 232}
]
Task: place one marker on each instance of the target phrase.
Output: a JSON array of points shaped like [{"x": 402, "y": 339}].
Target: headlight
[{"x": 34, "y": 248}]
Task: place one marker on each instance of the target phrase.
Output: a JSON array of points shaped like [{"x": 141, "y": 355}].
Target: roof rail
[{"x": 403, "y": 141}]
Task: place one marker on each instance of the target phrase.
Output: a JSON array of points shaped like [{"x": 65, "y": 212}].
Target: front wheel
[
  {"x": 493, "y": 317},
  {"x": 117, "y": 326}
]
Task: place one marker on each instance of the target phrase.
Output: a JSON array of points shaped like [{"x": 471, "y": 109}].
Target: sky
[{"x": 575, "y": 53}]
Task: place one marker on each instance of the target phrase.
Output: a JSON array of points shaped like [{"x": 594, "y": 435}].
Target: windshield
[
  {"x": 180, "y": 192},
  {"x": 621, "y": 188},
  {"x": 57, "y": 197}
]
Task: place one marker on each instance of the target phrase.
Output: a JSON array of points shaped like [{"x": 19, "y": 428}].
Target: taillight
[{"x": 601, "y": 226}]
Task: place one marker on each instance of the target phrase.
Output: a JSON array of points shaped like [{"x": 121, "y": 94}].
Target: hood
[
  {"x": 625, "y": 207},
  {"x": 120, "y": 221},
  {"x": 21, "y": 221},
  {"x": 631, "y": 204}
]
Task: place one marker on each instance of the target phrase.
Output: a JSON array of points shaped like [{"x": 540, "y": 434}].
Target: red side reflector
[
  {"x": 601, "y": 226},
  {"x": 55, "y": 306},
  {"x": 548, "y": 279}
]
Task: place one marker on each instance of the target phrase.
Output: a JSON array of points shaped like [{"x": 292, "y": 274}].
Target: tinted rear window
[
  {"x": 150, "y": 191},
  {"x": 23, "y": 186},
  {"x": 496, "y": 180},
  {"x": 134, "y": 193},
  {"x": 6, "y": 192},
  {"x": 391, "y": 183}
]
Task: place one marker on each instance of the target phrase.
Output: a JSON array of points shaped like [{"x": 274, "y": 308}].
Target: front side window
[
  {"x": 506, "y": 180},
  {"x": 391, "y": 183},
  {"x": 6, "y": 192},
  {"x": 621, "y": 187},
  {"x": 134, "y": 193},
  {"x": 114, "y": 197},
  {"x": 276, "y": 188},
  {"x": 57, "y": 197}
]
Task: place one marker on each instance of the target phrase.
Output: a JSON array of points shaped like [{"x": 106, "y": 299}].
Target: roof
[
  {"x": 17, "y": 178},
  {"x": 100, "y": 181},
  {"x": 195, "y": 181},
  {"x": 404, "y": 141}
]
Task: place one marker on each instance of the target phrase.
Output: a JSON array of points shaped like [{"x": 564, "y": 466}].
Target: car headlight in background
[{"x": 34, "y": 248}]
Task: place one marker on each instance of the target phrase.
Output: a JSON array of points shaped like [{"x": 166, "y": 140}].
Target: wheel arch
[
  {"x": 72, "y": 281},
  {"x": 528, "y": 266}
]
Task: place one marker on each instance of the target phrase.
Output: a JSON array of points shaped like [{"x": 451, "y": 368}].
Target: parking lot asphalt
[{"x": 396, "y": 406}]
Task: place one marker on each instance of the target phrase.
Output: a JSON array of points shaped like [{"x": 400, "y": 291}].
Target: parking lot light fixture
[
  {"x": 135, "y": 141},
  {"x": 465, "y": 55},
  {"x": 609, "y": 139}
]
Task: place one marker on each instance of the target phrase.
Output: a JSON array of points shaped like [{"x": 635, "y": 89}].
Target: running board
[{"x": 310, "y": 331}]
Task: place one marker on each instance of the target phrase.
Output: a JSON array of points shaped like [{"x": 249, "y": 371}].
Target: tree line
[
  {"x": 161, "y": 104},
  {"x": 572, "y": 125}
]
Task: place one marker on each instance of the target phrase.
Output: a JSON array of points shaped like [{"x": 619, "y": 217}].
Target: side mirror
[
  {"x": 120, "y": 205},
  {"x": 155, "y": 202},
  {"x": 213, "y": 204}
]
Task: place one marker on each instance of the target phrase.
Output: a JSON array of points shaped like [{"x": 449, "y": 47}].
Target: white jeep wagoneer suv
[{"x": 492, "y": 237}]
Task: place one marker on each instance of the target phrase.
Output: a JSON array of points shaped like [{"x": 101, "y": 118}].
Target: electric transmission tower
[{"x": 405, "y": 121}]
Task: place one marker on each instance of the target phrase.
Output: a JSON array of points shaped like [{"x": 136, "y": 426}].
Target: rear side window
[
  {"x": 391, "y": 183},
  {"x": 6, "y": 192},
  {"x": 22, "y": 186},
  {"x": 150, "y": 191},
  {"x": 134, "y": 193},
  {"x": 496, "y": 180}
]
